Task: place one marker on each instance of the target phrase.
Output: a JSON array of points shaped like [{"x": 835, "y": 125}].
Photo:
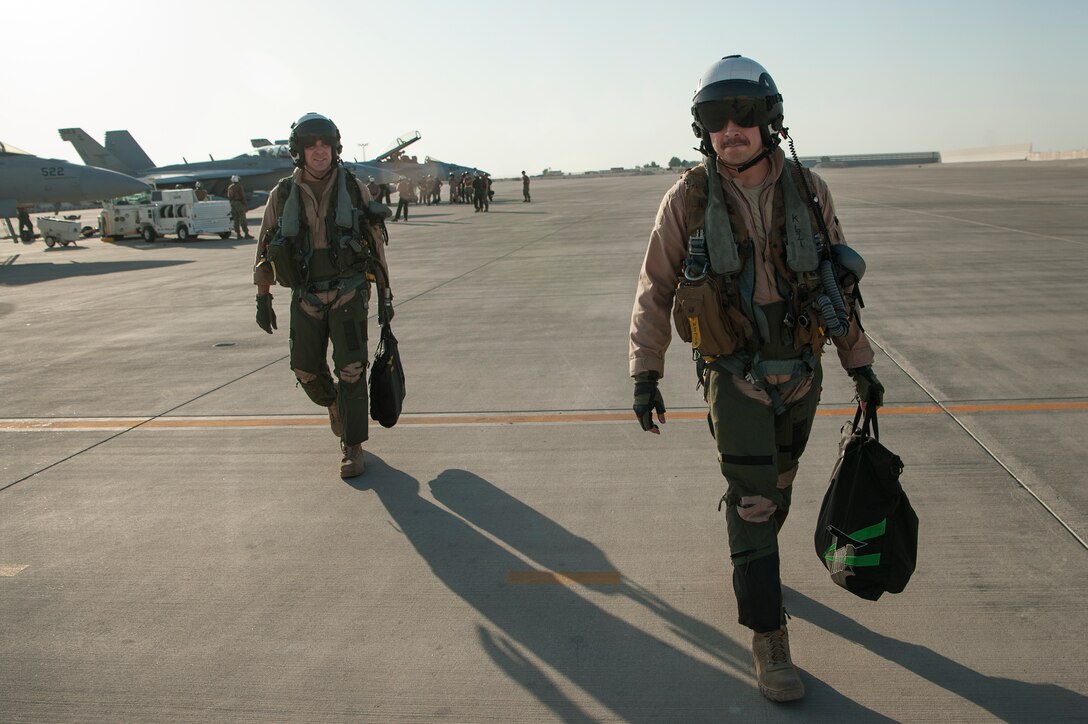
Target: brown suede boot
[
  {"x": 778, "y": 679},
  {"x": 352, "y": 462},
  {"x": 334, "y": 420}
]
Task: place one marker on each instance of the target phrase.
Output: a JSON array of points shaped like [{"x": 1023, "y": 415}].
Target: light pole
[{"x": 364, "y": 145}]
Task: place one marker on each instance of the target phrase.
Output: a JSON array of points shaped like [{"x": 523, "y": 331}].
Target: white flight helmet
[{"x": 740, "y": 89}]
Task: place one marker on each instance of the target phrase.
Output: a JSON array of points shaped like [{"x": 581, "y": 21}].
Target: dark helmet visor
[
  {"x": 745, "y": 112},
  {"x": 309, "y": 140}
]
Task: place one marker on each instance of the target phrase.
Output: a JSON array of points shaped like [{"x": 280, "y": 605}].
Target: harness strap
[
  {"x": 341, "y": 285},
  {"x": 755, "y": 370},
  {"x": 697, "y": 264}
]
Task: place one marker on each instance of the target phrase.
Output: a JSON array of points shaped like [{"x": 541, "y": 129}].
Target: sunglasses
[{"x": 745, "y": 112}]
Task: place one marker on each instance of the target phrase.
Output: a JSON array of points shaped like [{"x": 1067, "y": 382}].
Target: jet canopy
[
  {"x": 8, "y": 149},
  {"x": 274, "y": 150}
]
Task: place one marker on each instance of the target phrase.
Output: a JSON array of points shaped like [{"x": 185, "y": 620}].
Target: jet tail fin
[
  {"x": 92, "y": 153},
  {"x": 122, "y": 145}
]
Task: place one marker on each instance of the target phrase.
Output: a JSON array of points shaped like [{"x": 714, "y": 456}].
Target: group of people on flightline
[
  {"x": 474, "y": 188},
  {"x": 746, "y": 257}
]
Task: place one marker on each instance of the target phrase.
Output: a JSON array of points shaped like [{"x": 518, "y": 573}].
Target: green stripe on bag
[{"x": 873, "y": 559}]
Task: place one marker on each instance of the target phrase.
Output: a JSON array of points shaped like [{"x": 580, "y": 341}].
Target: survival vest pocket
[
  {"x": 284, "y": 256},
  {"x": 701, "y": 320},
  {"x": 351, "y": 255}
]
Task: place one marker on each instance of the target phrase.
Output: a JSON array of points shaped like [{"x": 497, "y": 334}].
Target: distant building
[{"x": 871, "y": 159}]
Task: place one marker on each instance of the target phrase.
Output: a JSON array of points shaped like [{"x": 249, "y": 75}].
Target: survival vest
[
  {"x": 351, "y": 254},
  {"x": 713, "y": 307}
]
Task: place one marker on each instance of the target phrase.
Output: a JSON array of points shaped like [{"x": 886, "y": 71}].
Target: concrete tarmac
[{"x": 176, "y": 543}]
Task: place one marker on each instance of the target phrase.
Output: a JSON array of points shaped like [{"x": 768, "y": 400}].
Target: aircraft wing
[
  {"x": 216, "y": 180},
  {"x": 444, "y": 168},
  {"x": 190, "y": 177},
  {"x": 172, "y": 179}
]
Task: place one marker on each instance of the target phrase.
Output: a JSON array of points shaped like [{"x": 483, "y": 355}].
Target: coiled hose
[{"x": 830, "y": 304}]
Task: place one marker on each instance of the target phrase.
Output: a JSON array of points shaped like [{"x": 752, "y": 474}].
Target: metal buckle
[{"x": 693, "y": 276}]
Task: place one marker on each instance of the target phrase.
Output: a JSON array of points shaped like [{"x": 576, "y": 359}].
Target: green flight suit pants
[
  {"x": 345, "y": 327},
  {"x": 756, "y": 450}
]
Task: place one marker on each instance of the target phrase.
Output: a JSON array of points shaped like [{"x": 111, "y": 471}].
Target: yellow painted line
[
  {"x": 566, "y": 578},
  {"x": 7, "y": 570},
  {"x": 495, "y": 418}
]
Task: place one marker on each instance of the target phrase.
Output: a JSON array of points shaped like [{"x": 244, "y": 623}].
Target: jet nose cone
[{"x": 100, "y": 183}]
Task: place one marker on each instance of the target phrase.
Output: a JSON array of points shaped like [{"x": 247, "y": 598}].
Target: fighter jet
[
  {"x": 27, "y": 180},
  {"x": 383, "y": 168},
  {"x": 259, "y": 171},
  {"x": 366, "y": 170}
]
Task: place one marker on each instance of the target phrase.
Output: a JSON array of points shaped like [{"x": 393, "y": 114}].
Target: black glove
[
  {"x": 266, "y": 316},
  {"x": 385, "y": 306},
  {"x": 868, "y": 387},
  {"x": 647, "y": 400}
]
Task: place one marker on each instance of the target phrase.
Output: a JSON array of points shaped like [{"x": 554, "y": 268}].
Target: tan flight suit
[
  {"x": 237, "y": 197},
  {"x": 341, "y": 319}
]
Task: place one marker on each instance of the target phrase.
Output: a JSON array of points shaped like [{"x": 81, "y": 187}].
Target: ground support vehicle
[
  {"x": 54, "y": 230},
  {"x": 159, "y": 213}
]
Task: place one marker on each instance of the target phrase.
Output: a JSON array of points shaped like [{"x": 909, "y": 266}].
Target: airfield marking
[
  {"x": 967, "y": 221},
  {"x": 565, "y": 578},
  {"x": 88, "y": 424}
]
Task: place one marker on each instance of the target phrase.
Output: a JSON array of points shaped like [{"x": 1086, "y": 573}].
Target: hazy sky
[{"x": 567, "y": 85}]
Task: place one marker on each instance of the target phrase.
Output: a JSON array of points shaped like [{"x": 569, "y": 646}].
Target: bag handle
[
  {"x": 386, "y": 340},
  {"x": 868, "y": 422}
]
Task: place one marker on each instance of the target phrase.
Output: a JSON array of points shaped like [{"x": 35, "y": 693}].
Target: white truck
[{"x": 173, "y": 211}]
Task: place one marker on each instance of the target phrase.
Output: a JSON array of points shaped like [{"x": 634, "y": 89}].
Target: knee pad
[
  {"x": 352, "y": 372},
  {"x": 749, "y": 541},
  {"x": 319, "y": 388}
]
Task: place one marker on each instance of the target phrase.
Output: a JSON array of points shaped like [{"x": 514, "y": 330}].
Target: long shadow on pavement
[
  {"x": 1007, "y": 699},
  {"x": 636, "y": 675},
  {"x": 20, "y": 274}
]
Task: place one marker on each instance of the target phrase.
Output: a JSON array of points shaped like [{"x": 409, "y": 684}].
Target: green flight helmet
[
  {"x": 739, "y": 89},
  {"x": 311, "y": 127}
]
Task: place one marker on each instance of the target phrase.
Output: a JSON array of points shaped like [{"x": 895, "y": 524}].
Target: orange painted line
[
  {"x": 904, "y": 410},
  {"x": 159, "y": 423},
  {"x": 1017, "y": 407},
  {"x": 567, "y": 578},
  {"x": 509, "y": 419},
  {"x": 199, "y": 423},
  {"x": 168, "y": 422}
]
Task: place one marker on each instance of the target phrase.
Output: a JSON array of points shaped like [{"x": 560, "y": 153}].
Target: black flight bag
[{"x": 867, "y": 531}]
